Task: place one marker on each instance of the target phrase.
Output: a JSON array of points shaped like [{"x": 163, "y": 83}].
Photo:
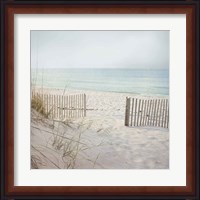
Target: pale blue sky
[{"x": 100, "y": 49}]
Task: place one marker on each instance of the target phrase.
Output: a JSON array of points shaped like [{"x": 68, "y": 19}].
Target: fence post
[
  {"x": 84, "y": 105},
  {"x": 127, "y": 112}
]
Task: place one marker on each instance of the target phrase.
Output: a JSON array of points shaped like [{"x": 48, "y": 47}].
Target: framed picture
[{"x": 100, "y": 99}]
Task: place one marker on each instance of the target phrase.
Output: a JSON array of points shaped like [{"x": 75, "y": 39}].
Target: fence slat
[
  {"x": 77, "y": 107},
  {"x": 127, "y": 111},
  {"x": 57, "y": 113},
  {"x": 132, "y": 111},
  {"x": 49, "y": 104},
  {"x": 81, "y": 105},
  {"x": 58, "y": 106},
  {"x": 84, "y": 101},
  {"x": 158, "y": 103},
  {"x": 76, "y": 102},
  {"x": 55, "y": 106},
  {"x": 138, "y": 111},
  {"x": 154, "y": 114},
  {"x": 150, "y": 112},
  {"x": 67, "y": 106},
  {"x": 80, "y": 99},
  {"x": 78, "y": 111},
  {"x": 144, "y": 112},
  {"x": 135, "y": 112},
  {"x": 159, "y": 112},
  {"x": 147, "y": 113},
  {"x": 74, "y": 106},
  {"x": 165, "y": 109},
  {"x": 52, "y": 106},
  {"x": 142, "y": 102},
  {"x": 70, "y": 105},
  {"x": 62, "y": 107},
  {"x": 166, "y": 114},
  {"x": 81, "y": 111}
]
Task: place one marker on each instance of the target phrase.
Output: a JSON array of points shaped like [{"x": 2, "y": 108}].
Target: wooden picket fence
[
  {"x": 61, "y": 107},
  {"x": 147, "y": 112}
]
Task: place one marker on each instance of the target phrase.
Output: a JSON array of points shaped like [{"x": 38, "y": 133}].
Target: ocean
[{"x": 134, "y": 81}]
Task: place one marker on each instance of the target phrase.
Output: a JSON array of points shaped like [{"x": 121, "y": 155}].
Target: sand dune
[{"x": 99, "y": 140}]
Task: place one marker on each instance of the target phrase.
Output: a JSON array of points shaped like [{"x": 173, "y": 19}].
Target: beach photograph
[{"x": 99, "y": 99}]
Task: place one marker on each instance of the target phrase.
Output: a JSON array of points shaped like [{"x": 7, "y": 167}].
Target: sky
[{"x": 100, "y": 49}]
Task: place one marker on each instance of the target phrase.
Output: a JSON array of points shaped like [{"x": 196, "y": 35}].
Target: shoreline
[{"x": 76, "y": 91}]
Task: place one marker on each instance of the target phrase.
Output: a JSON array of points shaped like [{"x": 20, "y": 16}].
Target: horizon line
[{"x": 96, "y": 68}]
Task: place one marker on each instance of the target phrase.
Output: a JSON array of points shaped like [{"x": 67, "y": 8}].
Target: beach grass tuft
[
  {"x": 64, "y": 145},
  {"x": 38, "y": 104}
]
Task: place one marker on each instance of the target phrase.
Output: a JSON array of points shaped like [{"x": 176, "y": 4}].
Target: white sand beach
[{"x": 100, "y": 140}]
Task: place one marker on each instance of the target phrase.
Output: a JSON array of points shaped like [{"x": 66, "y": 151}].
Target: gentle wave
[{"x": 149, "y": 82}]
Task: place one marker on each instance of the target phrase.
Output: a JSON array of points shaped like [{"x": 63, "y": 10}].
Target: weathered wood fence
[
  {"x": 147, "y": 112},
  {"x": 61, "y": 107}
]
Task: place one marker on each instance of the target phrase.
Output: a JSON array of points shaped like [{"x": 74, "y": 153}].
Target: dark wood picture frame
[{"x": 11, "y": 7}]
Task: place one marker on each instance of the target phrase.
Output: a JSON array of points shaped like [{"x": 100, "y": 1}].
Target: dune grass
[
  {"x": 38, "y": 104},
  {"x": 64, "y": 145}
]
